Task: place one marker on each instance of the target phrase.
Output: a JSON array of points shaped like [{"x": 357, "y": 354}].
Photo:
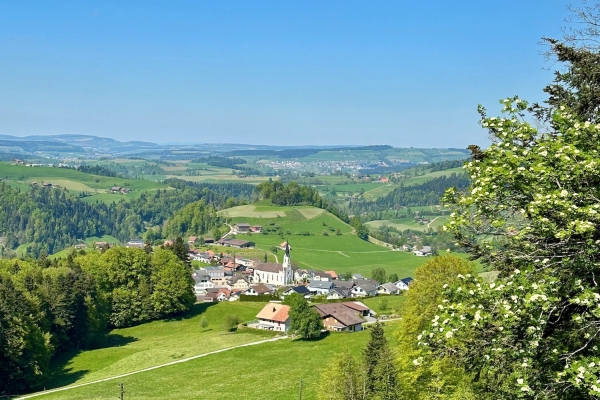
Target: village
[{"x": 335, "y": 297}]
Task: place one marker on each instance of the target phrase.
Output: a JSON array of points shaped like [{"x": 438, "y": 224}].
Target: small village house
[
  {"x": 404, "y": 283},
  {"x": 274, "y": 317},
  {"x": 241, "y": 227},
  {"x": 423, "y": 251},
  {"x": 388, "y": 288}
]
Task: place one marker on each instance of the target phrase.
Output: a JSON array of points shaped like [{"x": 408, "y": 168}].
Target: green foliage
[
  {"x": 343, "y": 379},
  {"x": 536, "y": 194},
  {"x": 194, "y": 219},
  {"x": 180, "y": 250},
  {"x": 418, "y": 381},
  {"x": 383, "y": 304},
  {"x": 203, "y": 322},
  {"x": 305, "y": 320},
  {"x": 379, "y": 274},
  {"x": 231, "y": 322},
  {"x": 393, "y": 278}
]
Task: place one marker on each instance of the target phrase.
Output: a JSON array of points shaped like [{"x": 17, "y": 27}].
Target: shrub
[{"x": 230, "y": 322}]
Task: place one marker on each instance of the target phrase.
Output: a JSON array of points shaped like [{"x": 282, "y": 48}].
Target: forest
[
  {"x": 50, "y": 220},
  {"x": 51, "y": 307}
]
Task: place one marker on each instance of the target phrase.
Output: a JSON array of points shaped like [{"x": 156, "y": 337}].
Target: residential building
[
  {"x": 332, "y": 274},
  {"x": 239, "y": 282},
  {"x": 256, "y": 228},
  {"x": 301, "y": 290},
  {"x": 337, "y": 317},
  {"x": 320, "y": 287},
  {"x": 274, "y": 317},
  {"x": 422, "y": 252},
  {"x": 217, "y": 275},
  {"x": 321, "y": 276},
  {"x": 403, "y": 284},
  {"x": 338, "y": 293},
  {"x": 202, "y": 282},
  {"x": 241, "y": 227},
  {"x": 364, "y": 288},
  {"x": 388, "y": 288},
  {"x": 257, "y": 289}
]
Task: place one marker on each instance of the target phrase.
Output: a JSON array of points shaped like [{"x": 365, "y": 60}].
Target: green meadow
[
  {"x": 155, "y": 343},
  {"x": 271, "y": 370},
  {"x": 75, "y": 181},
  {"x": 345, "y": 253}
]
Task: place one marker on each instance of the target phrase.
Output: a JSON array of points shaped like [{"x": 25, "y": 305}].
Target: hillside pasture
[
  {"x": 312, "y": 249},
  {"x": 155, "y": 343},
  {"x": 266, "y": 371}
]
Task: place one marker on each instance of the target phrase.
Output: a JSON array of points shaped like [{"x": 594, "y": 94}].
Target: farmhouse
[
  {"x": 256, "y": 228},
  {"x": 338, "y": 317},
  {"x": 423, "y": 252},
  {"x": 192, "y": 240},
  {"x": 238, "y": 243},
  {"x": 274, "y": 317},
  {"x": 241, "y": 227}
]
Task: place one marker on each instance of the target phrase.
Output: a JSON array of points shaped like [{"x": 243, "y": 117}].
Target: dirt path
[
  {"x": 433, "y": 220},
  {"x": 28, "y": 396}
]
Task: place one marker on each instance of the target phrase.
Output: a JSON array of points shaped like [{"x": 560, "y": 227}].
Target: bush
[
  {"x": 325, "y": 233},
  {"x": 230, "y": 322}
]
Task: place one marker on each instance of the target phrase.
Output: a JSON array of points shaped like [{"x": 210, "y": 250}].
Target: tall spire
[{"x": 288, "y": 274}]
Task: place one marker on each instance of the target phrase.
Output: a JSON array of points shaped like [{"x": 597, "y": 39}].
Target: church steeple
[{"x": 288, "y": 273}]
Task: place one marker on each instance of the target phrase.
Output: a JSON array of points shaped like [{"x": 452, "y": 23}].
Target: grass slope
[
  {"x": 345, "y": 253},
  {"x": 155, "y": 343},
  {"x": 266, "y": 371},
  {"x": 98, "y": 186}
]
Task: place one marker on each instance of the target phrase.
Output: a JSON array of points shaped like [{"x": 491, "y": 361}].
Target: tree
[
  {"x": 180, "y": 250},
  {"x": 203, "y": 323},
  {"x": 383, "y": 304},
  {"x": 393, "y": 278},
  {"x": 343, "y": 379},
  {"x": 348, "y": 276},
  {"x": 440, "y": 376},
  {"x": 305, "y": 320},
  {"x": 231, "y": 322},
  {"x": 379, "y": 274},
  {"x": 534, "y": 193},
  {"x": 338, "y": 232},
  {"x": 265, "y": 258}
]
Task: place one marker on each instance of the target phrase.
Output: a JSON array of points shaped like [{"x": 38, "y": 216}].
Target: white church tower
[{"x": 288, "y": 273}]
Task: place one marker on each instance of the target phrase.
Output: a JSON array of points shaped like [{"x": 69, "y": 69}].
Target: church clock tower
[{"x": 288, "y": 273}]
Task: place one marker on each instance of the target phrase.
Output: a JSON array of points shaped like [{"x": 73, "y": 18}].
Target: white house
[
  {"x": 363, "y": 289},
  {"x": 320, "y": 287},
  {"x": 202, "y": 281},
  {"x": 322, "y": 276},
  {"x": 338, "y": 293},
  {"x": 388, "y": 288},
  {"x": 274, "y": 317},
  {"x": 423, "y": 252},
  {"x": 403, "y": 284}
]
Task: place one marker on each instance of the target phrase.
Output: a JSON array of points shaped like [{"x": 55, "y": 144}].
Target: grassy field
[
  {"x": 75, "y": 181},
  {"x": 156, "y": 343},
  {"x": 403, "y": 224},
  {"x": 266, "y": 371},
  {"x": 345, "y": 253}
]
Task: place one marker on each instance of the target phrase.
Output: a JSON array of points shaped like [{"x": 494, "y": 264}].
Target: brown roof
[
  {"x": 269, "y": 267},
  {"x": 260, "y": 288},
  {"x": 340, "y": 312},
  {"x": 355, "y": 305},
  {"x": 274, "y": 312}
]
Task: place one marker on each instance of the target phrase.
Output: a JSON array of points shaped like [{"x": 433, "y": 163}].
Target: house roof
[
  {"x": 243, "y": 224},
  {"x": 366, "y": 286},
  {"x": 407, "y": 281},
  {"x": 300, "y": 289},
  {"x": 322, "y": 274},
  {"x": 358, "y": 276},
  {"x": 320, "y": 285},
  {"x": 356, "y": 305},
  {"x": 345, "y": 284},
  {"x": 341, "y": 291},
  {"x": 346, "y": 316},
  {"x": 332, "y": 274},
  {"x": 390, "y": 287},
  {"x": 269, "y": 267},
  {"x": 260, "y": 288},
  {"x": 274, "y": 312},
  {"x": 192, "y": 239},
  {"x": 257, "y": 226}
]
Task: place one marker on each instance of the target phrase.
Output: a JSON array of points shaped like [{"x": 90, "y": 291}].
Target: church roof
[{"x": 269, "y": 267}]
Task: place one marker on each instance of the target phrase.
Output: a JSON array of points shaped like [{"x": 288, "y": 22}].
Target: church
[{"x": 275, "y": 274}]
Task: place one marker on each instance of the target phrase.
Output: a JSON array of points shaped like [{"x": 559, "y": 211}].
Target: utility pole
[
  {"x": 122, "y": 387},
  {"x": 300, "y": 388}
]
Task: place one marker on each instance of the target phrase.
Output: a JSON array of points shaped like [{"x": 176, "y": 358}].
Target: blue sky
[{"x": 270, "y": 72}]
